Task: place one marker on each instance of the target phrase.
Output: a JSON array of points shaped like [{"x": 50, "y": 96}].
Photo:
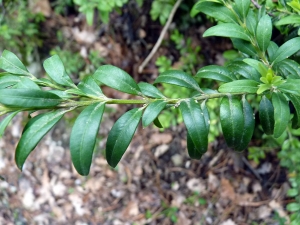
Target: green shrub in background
[
  {"x": 19, "y": 28},
  {"x": 263, "y": 77}
]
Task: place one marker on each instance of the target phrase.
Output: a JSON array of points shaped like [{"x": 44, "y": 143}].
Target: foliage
[
  {"x": 19, "y": 28},
  {"x": 263, "y": 74},
  {"x": 105, "y": 7},
  {"x": 161, "y": 9}
]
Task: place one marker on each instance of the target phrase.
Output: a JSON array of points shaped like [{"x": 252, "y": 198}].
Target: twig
[
  {"x": 256, "y": 4},
  {"x": 251, "y": 169},
  {"x": 161, "y": 36}
]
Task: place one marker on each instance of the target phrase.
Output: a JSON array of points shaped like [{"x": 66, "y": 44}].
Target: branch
[
  {"x": 256, "y": 4},
  {"x": 160, "y": 39}
]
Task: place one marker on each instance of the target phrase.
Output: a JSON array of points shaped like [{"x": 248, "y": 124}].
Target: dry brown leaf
[{"x": 227, "y": 190}]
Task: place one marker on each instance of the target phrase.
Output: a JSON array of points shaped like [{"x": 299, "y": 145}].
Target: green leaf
[
  {"x": 251, "y": 22},
  {"x": 214, "y": 10},
  {"x": 56, "y": 70},
  {"x": 244, "y": 46},
  {"x": 157, "y": 123},
  {"x": 266, "y": 115},
  {"x": 83, "y": 137},
  {"x": 259, "y": 66},
  {"x": 206, "y": 114},
  {"x": 12, "y": 64},
  {"x": 150, "y": 91},
  {"x": 263, "y": 87},
  {"x": 120, "y": 136},
  {"x": 117, "y": 79},
  {"x": 8, "y": 80},
  {"x": 240, "y": 68},
  {"x": 249, "y": 124},
  {"x": 26, "y": 83},
  {"x": 293, "y": 192},
  {"x": 232, "y": 121},
  {"x": 34, "y": 133},
  {"x": 264, "y": 32},
  {"x": 192, "y": 150},
  {"x": 219, "y": 73},
  {"x": 244, "y": 86},
  {"x": 76, "y": 91},
  {"x": 286, "y": 50},
  {"x": 243, "y": 7},
  {"x": 61, "y": 94},
  {"x": 290, "y": 86},
  {"x": 4, "y": 123},
  {"x": 272, "y": 48},
  {"x": 287, "y": 68},
  {"x": 179, "y": 78},
  {"x": 296, "y": 103},
  {"x": 27, "y": 98},
  {"x": 227, "y": 30},
  {"x": 194, "y": 120},
  {"x": 89, "y": 86},
  {"x": 281, "y": 113},
  {"x": 152, "y": 111},
  {"x": 293, "y": 207},
  {"x": 287, "y": 20}
]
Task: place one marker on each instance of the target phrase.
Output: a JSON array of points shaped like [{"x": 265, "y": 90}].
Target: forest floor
[{"x": 156, "y": 182}]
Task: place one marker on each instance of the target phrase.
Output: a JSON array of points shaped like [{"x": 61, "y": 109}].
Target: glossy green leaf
[
  {"x": 244, "y": 46},
  {"x": 296, "y": 103},
  {"x": 4, "y": 123},
  {"x": 120, "y": 136},
  {"x": 266, "y": 115},
  {"x": 263, "y": 87},
  {"x": 273, "y": 47},
  {"x": 179, "y": 78},
  {"x": 152, "y": 111},
  {"x": 289, "y": 19},
  {"x": 240, "y": 68},
  {"x": 244, "y": 86},
  {"x": 75, "y": 91},
  {"x": 243, "y": 7},
  {"x": 249, "y": 124},
  {"x": 227, "y": 30},
  {"x": 150, "y": 91},
  {"x": 157, "y": 123},
  {"x": 219, "y": 73},
  {"x": 34, "y": 133},
  {"x": 8, "y": 80},
  {"x": 232, "y": 121},
  {"x": 206, "y": 114},
  {"x": 287, "y": 68},
  {"x": 12, "y": 64},
  {"x": 214, "y": 10},
  {"x": 281, "y": 113},
  {"x": 259, "y": 66},
  {"x": 26, "y": 83},
  {"x": 83, "y": 137},
  {"x": 192, "y": 150},
  {"x": 89, "y": 86},
  {"x": 290, "y": 86},
  {"x": 194, "y": 120},
  {"x": 264, "y": 32},
  {"x": 117, "y": 79},
  {"x": 56, "y": 70},
  {"x": 286, "y": 50},
  {"x": 27, "y": 98},
  {"x": 251, "y": 22},
  {"x": 61, "y": 94}
]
